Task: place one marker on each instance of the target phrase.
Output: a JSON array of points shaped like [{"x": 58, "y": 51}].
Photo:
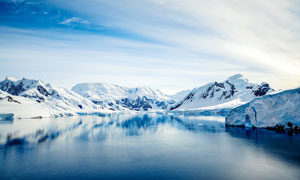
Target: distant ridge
[{"x": 117, "y": 97}]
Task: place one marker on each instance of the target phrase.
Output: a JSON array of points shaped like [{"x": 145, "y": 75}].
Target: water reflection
[
  {"x": 277, "y": 144},
  {"x": 146, "y": 146},
  {"x": 20, "y": 132},
  {"x": 99, "y": 128}
]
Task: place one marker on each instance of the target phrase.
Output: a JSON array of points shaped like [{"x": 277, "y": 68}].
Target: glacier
[
  {"x": 278, "y": 109},
  {"x": 6, "y": 117}
]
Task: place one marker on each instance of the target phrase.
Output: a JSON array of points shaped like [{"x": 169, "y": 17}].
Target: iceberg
[
  {"x": 6, "y": 117},
  {"x": 275, "y": 110}
]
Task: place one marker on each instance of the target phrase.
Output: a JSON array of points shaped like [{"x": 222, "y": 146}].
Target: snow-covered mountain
[
  {"x": 280, "y": 109},
  {"x": 28, "y": 98},
  {"x": 234, "y": 91},
  {"x": 116, "y": 97}
]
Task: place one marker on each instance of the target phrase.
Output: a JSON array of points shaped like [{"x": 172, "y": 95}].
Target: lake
[{"x": 146, "y": 146}]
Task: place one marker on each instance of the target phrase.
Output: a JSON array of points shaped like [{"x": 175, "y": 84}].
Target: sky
[{"x": 169, "y": 45}]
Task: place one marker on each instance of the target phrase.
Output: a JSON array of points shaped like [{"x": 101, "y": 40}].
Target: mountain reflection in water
[{"x": 146, "y": 146}]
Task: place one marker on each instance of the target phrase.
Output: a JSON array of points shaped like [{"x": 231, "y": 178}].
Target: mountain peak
[
  {"x": 11, "y": 79},
  {"x": 235, "y": 77}
]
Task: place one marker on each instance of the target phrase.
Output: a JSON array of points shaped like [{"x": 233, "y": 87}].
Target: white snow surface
[
  {"x": 234, "y": 91},
  {"x": 268, "y": 111},
  {"x": 26, "y": 108},
  {"x": 181, "y": 94}
]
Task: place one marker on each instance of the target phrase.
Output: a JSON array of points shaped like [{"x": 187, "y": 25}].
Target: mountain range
[{"x": 26, "y": 98}]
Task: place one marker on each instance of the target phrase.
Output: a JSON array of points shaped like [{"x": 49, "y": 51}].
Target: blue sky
[{"x": 167, "y": 44}]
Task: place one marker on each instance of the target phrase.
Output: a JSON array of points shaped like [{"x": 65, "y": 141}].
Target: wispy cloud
[
  {"x": 185, "y": 43},
  {"x": 74, "y": 20}
]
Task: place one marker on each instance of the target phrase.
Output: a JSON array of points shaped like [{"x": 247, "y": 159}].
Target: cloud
[{"x": 74, "y": 20}]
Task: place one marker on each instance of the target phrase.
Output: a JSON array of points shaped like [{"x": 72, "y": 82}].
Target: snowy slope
[
  {"x": 268, "y": 111},
  {"x": 37, "y": 99},
  {"x": 180, "y": 95},
  {"x": 234, "y": 91},
  {"x": 121, "y": 98},
  {"x": 21, "y": 107}
]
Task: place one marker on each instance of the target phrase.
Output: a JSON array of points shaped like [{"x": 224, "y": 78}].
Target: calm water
[{"x": 144, "y": 147}]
